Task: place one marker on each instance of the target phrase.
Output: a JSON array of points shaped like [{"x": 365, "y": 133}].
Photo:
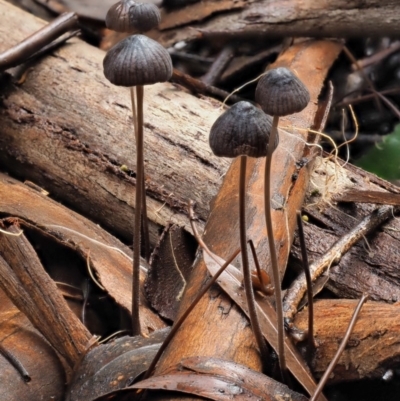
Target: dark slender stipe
[
  {"x": 271, "y": 242},
  {"x": 16, "y": 363},
  {"x": 340, "y": 350},
  {"x": 138, "y": 213},
  {"x": 248, "y": 285},
  {"x": 306, "y": 268},
  {"x": 29, "y": 46}
]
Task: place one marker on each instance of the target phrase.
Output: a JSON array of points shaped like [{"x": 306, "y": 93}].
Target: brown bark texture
[
  {"x": 76, "y": 128},
  {"x": 373, "y": 347},
  {"x": 32, "y": 290},
  {"x": 69, "y": 130},
  {"x": 110, "y": 260},
  {"x": 275, "y": 18},
  {"x": 371, "y": 265}
]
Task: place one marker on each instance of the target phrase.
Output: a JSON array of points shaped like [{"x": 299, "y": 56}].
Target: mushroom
[
  {"x": 279, "y": 93},
  {"x": 134, "y": 62},
  {"x": 243, "y": 131},
  {"x": 128, "y": 16}
]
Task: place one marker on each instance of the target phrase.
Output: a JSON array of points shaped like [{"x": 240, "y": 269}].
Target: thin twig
[
  {"x": 218, "y": 66},
  {"x": 16, "y": 363},
  {"x": 306, "y": 268},
  {"x": 340, "y": 350},
  {"x": 29, "y": 46},
  {"x": 298, "y": 288}
]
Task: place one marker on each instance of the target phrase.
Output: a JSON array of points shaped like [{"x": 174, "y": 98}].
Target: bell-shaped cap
[
  {"x": 118, "y": 16},
  {"x": 242, "y": 130},
  {"x": 137, "y": 60},
  {"x": 145, "y": 16},
  {"x": 129, "y": 16},
  {"x": 280, "y": 92}
]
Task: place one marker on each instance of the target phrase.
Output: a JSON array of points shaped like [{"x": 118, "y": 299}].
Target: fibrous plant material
[
  {"x": 243, "y": 131},
  {"x": 280, "y": 93}
]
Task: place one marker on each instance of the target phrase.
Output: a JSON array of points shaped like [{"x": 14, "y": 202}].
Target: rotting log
[
  {"x": 372, "y": 264},
  {"x": 216, "y": 327},
  {"x": 373, "y": 347},
  {"x": 69, "y": 130},
  {"x": 228, "y": 19}
]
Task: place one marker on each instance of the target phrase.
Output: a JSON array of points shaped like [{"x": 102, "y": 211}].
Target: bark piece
[
  {"x": 110, "y": 260},
  {"x": 170, "y": 269},
  {"x": 30, "y": 288},
  {"x": 373, "y": 347},
  {"x": 42, "y": 363},
  {"x": 77, "y": 130},
  {"x": 268, "y": 18}
]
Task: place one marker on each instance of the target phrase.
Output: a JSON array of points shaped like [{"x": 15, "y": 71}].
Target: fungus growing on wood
[
  {"x": 279, "y": 93},
  {"x": 243, "y": 131},
  {"x": 134, "y": 62}
]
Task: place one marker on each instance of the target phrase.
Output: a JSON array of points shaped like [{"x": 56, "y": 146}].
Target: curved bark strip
[
  {"x": 113, "y": 267},
  {"x": 76, "y": 128},
  {"x": 216, "y": 327},
  {"x": 277, "y": 18}
]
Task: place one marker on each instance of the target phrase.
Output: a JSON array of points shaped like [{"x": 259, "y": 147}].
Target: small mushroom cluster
[
  {"x": 246, "y": 131},
  {"x": 134, "y": 62}
]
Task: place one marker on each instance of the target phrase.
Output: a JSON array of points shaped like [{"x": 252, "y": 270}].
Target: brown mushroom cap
[
  {"x": 145, "y": 16},
  {"x": 280, "y": 92},
  {"x": 129, "y": 16},
  {"x": 137, "y": 60},
  {"x": 242, "y": 130},
  {"x": 118, "y": 16}
]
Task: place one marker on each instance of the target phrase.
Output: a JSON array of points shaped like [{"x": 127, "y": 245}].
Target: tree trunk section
[{"x": 76, "y": 129}]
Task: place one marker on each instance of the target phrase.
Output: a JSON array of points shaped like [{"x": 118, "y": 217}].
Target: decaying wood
[
  {"x": 266, "y": 19},
  {"x": 31, "y": 289},
  {"x": 110, "y": 260},
  {"x": 231, "y": 337},
  {"x": 76, "y": 128},
  {"x": 373, "y": 346},
  {"x": 372, "y": 264}
]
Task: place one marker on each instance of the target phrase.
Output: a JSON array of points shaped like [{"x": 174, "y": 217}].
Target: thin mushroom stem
[
  {"x": 178, "y": 323},
  {"x": 248, "y": 285},
  {"x": 145, "y": 220},
  {"x": 138, "y": 201},
  {"x": 306, "y": 268},
  {"x": 271, "y": 243},
  {"x": 340, "y": 350}
]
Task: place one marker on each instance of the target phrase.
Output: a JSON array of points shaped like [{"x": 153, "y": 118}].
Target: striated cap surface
[
  {"x": 137, "y": 60},
  {"x": 129, "y": 16},
  {"x": 242, "y": 130},
  {"x": 280, "y": 92},
  {"x": 145, "y": 16},
  {"x": 118, "y": 16}
]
